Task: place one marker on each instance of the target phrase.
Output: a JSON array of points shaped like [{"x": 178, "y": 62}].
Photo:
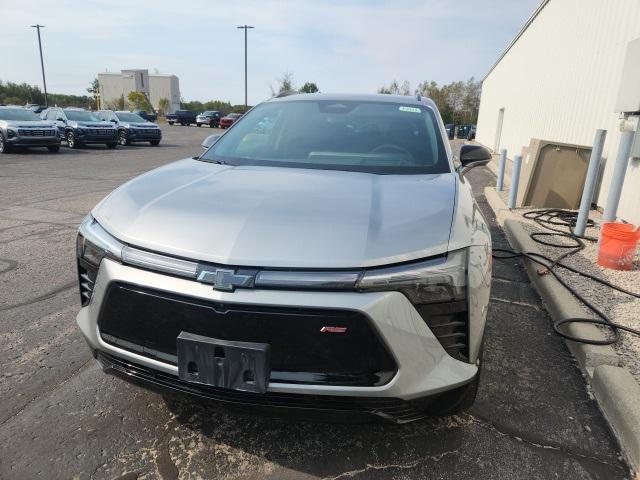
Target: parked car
[
  {"x": 210, "y": 117},
  {"x": 472, "y": 133},
  {"x": 451, "y": 130},
  {"x": 230, "y": 119},
  {"x": 150, "y": 117},
  {"x": 463, "y": 131},
  {"x": 35, "y": 108},
  {"x": 337, "y": 261},
  {"x": 132, "y": 128},
  {"x": 80, "y": 127},
  {"x": 23, "y": 128},
  {"x": 183, "y": 117}
]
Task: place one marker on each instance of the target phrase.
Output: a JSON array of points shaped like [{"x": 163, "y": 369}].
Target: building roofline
[{"x": 517, "y": 37}]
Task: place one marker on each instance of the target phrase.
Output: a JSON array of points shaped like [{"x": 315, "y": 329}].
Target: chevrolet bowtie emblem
[{"x": 224, "y": 279}]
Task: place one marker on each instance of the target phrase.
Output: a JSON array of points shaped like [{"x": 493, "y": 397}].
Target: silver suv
[
  {"x": 334, "y": 261},
  {"x": 23, "y": 128}
]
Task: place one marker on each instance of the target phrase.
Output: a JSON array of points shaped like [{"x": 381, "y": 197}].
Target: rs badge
[{"x": 333, "y": 329}]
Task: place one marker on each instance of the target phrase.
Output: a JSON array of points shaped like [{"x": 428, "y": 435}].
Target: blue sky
[{"x": 343, "y": 46}]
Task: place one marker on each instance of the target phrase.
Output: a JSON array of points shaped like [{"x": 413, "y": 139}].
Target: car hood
[
  {"x": 90, "y": 124},
  {"x": 27, "y": 123},
  {"x": 139, "y": 125},
  {"x": 282, "y": 217}
]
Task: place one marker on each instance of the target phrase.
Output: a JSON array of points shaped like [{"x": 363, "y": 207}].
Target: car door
[{"x": 57, "y": 117}]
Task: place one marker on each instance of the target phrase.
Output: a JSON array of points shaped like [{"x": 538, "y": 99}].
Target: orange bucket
[{"x": 618, "y": 244}]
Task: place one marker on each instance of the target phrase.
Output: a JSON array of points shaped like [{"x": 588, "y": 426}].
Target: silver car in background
[
  {"x": 22, "y": 128},
  {"x": 333, "y": 261}
]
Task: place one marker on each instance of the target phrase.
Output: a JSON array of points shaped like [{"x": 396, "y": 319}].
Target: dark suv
[
  {"x": 81, "y": 127},
  {"x": 210, "y": 117},
  {"x": 183, "y": 117},
  {"x": 132, "y": 127}
]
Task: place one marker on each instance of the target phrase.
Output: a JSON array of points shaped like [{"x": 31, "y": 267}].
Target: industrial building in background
[
  {"x": 115, "y": 85},
  {"x": 561, "y": 79}
]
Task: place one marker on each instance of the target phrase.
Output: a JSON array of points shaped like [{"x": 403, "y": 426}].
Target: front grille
[
  {"x": 148, "y": 132},
  {"x": 36, "y": 133},
  {"x": 148, "y": 322},
  {"x": 99, "y": 131},
  {"x": 449, "y": 322},
  {"x": 392, "y": 409}
]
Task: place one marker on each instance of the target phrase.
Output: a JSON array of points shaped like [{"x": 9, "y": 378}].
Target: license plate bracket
[{"x": 243, "y": 366}]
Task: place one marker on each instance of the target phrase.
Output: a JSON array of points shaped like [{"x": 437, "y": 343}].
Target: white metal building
[
  {"x": 156, "y": 86},
  {"x": 559, "y": 79}
]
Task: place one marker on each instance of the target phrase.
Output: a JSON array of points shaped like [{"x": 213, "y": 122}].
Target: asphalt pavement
[{"x": 61, "y": 417}]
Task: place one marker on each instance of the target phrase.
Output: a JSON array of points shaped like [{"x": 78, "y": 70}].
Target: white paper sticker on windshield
[{"x": 409, "y": 109}]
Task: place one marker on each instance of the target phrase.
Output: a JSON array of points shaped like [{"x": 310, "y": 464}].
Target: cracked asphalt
[{"x": 62, "y": 418}]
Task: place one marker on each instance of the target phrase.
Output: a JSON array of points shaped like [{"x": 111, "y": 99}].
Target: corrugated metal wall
[{"x": 559, "y": 82}]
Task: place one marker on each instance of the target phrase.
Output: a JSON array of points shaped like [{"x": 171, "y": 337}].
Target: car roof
[{"x": 358, "y": 97}]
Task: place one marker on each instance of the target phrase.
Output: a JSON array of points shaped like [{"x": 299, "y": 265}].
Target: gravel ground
[{"x": 620, "y": 308}]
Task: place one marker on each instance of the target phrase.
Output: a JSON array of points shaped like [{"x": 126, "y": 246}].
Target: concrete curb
[
  {"x": 618, "y": 395},
  {"x": 615, "y": 389},
  {"x": 497, "y": 205}
]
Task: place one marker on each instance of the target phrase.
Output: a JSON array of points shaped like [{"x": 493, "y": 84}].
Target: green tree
[
  {"x": 138, "y": 100},
  {"x": 309, "y": 87},
  {"x": 163, "y": 106},
  {"x": 285, "y": 84}
]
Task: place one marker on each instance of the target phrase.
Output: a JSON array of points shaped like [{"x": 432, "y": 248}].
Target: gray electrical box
[{"x": 629, "y": 94}]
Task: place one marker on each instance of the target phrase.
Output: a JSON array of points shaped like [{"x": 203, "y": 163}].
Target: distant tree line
[
  {"x": 23, "y": 93},
  {"x": 219, "y": 105},
  {"x": 285, "y": 85},
  {"x": 458, "y": 102}
]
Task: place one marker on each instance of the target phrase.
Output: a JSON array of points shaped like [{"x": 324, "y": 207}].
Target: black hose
[{"x": 552, "y": 219}]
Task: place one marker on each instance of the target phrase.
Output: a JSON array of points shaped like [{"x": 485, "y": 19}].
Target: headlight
[
  {"x": 80, "y": 130},
  {"x": 430, "y": 281},
  {"x": 11, "y": 133},
  {"x": 92, "y": 246}
]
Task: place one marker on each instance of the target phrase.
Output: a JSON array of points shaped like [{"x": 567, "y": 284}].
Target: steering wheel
[{"x": 397, "y": 148}]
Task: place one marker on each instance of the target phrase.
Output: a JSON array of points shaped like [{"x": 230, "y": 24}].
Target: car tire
[
  {"x": 199, "y": 125},
  {"x": 4, "y": 148},
  {"x": 170, "y": 123},
  {"x": 155, "y": 143},
  {"x": 54, "y": 148},
  {"x": 72, "y": 141},
  {"x": 122, "y": 138},
  {"x": 112, "y": 145}
]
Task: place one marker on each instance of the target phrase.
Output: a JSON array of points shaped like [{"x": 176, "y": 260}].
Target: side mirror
[
  {"x": 60, "y": 119},
  {"x": 473, "y": 156},
  {"x": 113, "y": 120},
  {"x": 210, "y": 140}
]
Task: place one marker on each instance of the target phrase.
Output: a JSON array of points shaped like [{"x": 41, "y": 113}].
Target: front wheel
[
  {"x": 122, "y": 138},
  {"x": 170, "y": 123},
  {"x": 54, "y": 148},
  {"x": 199, "y": 125},
  {"x": 72, "y": 141},
  {"x": 155, "y": 143},
  {"x": 4, "y": 148}
]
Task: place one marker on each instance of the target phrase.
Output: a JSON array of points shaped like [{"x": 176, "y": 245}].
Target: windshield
[
  {"x": 129, "y": 117},
  {"x": 18, "y": 114},
  {"x": 81, "y": 116},
  {"x": 234, "y": 115},
  {"x": 209, "y": 113},
  {"x": 374, "y": 137}
]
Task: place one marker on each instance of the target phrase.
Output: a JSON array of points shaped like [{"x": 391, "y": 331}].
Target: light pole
[
  {"x": 44, "y": 81},
  {"x": 245, "y": 28}
]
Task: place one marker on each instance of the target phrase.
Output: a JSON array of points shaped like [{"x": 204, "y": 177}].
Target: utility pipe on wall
[
  {"x": 501, "y": 165},
  {"x": 590, "y": 182},
  {"x": 619, "y": 171},
  {"x": 515, "y": 180}
]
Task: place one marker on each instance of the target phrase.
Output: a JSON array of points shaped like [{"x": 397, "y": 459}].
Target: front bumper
[
  {"x": 96, "y": 135},
  {"x": 144, "y": 135},
  {"x": 423, "y": 367},
  {"x": 20, "y": 141}
]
